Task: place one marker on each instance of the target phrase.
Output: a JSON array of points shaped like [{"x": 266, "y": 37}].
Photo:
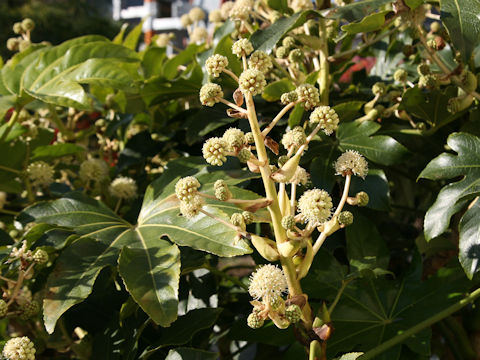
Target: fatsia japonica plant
[{"x": 265, "y": 192}]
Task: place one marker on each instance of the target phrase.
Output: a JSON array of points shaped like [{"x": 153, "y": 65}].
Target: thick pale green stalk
[
  {"x": 11, "y": 122},
  {"x": 271, "y": 192},
  {"x": 323, "y": 77},
  {"x": 420, "y": 326}
]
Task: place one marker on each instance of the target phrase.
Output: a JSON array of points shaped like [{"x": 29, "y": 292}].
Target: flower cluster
[
  {"x": 294, "y": 138},
  {"x": 123, "y": 188},
  {"x": 326, "y": 117},
  {"x": 252, "y": 81},
  {"x": 260, "y": 61},
  {"x": 40, "y": 173},
  {"x": 210, "y": 94},
  {"x": 268, "y": 283},
  {"x": 309, "y": 95},
  {"x": 186, "y": 190},
  {"x": 93, "y": 170},
  {"x": 351, "y": 162},
  {"x": 215, "y": 64},
  {"x": 315, "y": 206},
  {"x": 19, "y": 348}
]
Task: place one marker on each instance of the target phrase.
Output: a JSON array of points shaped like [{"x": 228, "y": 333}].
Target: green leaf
[
  {"x": 279, "y": 5},
  {"x": 131, "y": 41},
  {"x": 190, "y": 354},
  {"x": 349, "y": 110},
  {"x": 170, "y": 70},
  {"x": 365, "y": 247},
  {"x": 151, "y": 275},
  {"x": 460, "y": 17},
  {"x": 200, "y": 122},
  {"x": 296, "y": 115},
  {"x": 186, "y": 326},
  {"x": 266, "y": 39},
  {"x": 372, "y": 311},
  {"x": 321, "y": 168},
  {"x": 118, "y": 39},
  {"x": 49, "y": 152},
  {"x": 369, "y": 23},
  {"x": 469, "y": 246},
  {"x": 413, "y": 4},
  {"x": 430, "y": 107},
  {"x": 453, "y": 196},
  {"x": 109, "y": 235},
  {"x": 381, "y": 149},
  {"x": 152, "y": 62},
  {"x": 357, "y": 10},
  {"x": 274, "y": 90},
  {"x": 351, "y": 356}
]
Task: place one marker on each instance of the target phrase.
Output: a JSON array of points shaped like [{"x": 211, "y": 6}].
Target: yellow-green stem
[
  {"x": 11, "y": 122},
  {"x": 323, "y": 80}
]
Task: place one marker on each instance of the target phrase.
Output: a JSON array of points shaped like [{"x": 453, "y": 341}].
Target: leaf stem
[
  {"x": 11, "y": 122},
  {"x": 233, "y": 106},
  {"x": 338, "y": 296},
  {"x": 232, "y": 75},
  {"x": 371, "y": 354},
  {"x": 277, "y": 118}
]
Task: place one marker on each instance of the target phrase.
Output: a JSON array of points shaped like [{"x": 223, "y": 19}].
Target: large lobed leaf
[
  {"x": 463, "y": 24},
  {"x": 455, "y": 196},
  {"x": 106, "y": 239}
]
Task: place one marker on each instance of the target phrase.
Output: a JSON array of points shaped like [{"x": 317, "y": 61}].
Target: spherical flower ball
[
  {"x": 288, "y": 42},
  {"x": 191, "y": 208},
  {"x": 215, "y": 150},
  {"x": 326, "y": 117},
  {"x": 254, "y": 321},
  {"x": 300, "y": 176},
  {"x": 252, "y": 81},
  {"x": 379, "y": 88},
  {"x": 40, "y": 256},
  {"x": 267, "y": 283},
  {"x": 186, "y": 188},
  {"x": 19, "y": 348},
  {"x": 28, "y": 24},
  {"x": 196, "y": 14},
  {"x": 215, "y": 16},
  {"x": 260, "y": 61},
  {"x": 215, "y": 64},
  {"x": 315, "y": 206},
  {"x": 210, "y": 94},
  {"x": 123, "y": 188},
  {"x": 400, "y": 75},
  {"x": 351, "y": 162},
  {"x": 40, "y": 173},
  {"x": 235, "y": 138},
  {"x": 242, "y": 47},
  {"x": 309, "y": 95},
  {"x": 12, "y": 44},
  {"x": 289, "y": 97},
  {"x": 240, "y": 12},
  {"x": 294, "y": 138},
  {"x": 199, "y": 34},
  {"x": 295, "y": 56},
  {"x": 3, "y": 308},
  {"x": 94, "y": 170},
  {"x": 185, "y": 20},
  {"x": 162, "y": 40},
  {"x": 226, "y": 8},
  {"x": 18, "y": 28},
  {"x": 281, "y": 52}
]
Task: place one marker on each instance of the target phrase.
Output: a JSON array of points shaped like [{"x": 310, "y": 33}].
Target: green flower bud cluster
[
  {"x": 215, "y": 151},
  {"x": 244, "y": 155},
  {"x": 210, "y": 94},
  {"x": 235, "y": 139},
  {"x": 288, "y": 42},
  {"x": 351, "y": 162},
  {"x": 400, "y": 75},
  {"x": 222, "y": 192},
  {"x": 309, "y": 95},
  {"x": 242, "y": 47},
  {"x": 29, "y": 309},
  {"x": 289, "y": 97},
  {"x": 237, "y": 220},
  {"x": 192, "y": 208},
  {"x": 315, "y": 206},
  {"x": 427, "y": 81},
  {"x": 248, "y": 217},
  {"x": 281, "y": 52},
  {"x": 19, "y": 348},
  {"x": 294, "y": 138},
  {"x": 254, "y": 321},
  {"x": 345, "y": 218},
  {"x": 379, "y": 88},
  {"x": 326, "y": 117},
  {"x": 423, "y": 69},
  {"x": 252, "y": 81},
  {"x": 3, "y": 308},
  {"x": 226, "y": 8},
  {"x": 124, "y": 188},
  {"x": 288, "y": 222},
  {"x": 293, "y": 313},
  {"x": 260, "y": 61},
  {"x": 249, "y": 138},
  {"x": 40, "y": 257},
  {"x": 362, "y": 198},
  {"x": 40, "y": 173},
  {"x": 215, "y": 64},
  {"x": 295, "y": 56}
]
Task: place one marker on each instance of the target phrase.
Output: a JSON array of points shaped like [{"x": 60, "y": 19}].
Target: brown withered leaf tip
[
  {"x": 271, "y": 144},
  {"x": 238, "y": 97},
  {"x": 324, "y": 332},
  {"x": 299, "y": 300},
  {"x": 236, "y": 114}
]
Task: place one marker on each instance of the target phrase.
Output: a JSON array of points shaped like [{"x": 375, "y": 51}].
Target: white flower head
[
  {"x": 123, "y": 188},
  {"x": 268, "y": 283},
  {"x": 351, "y": 162},
  {"x": 19, "y": 348}
]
